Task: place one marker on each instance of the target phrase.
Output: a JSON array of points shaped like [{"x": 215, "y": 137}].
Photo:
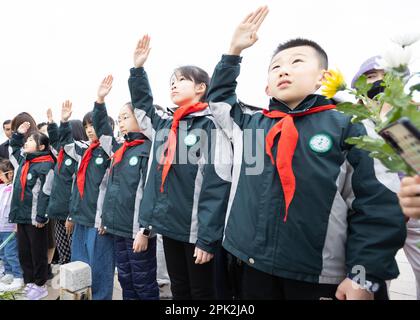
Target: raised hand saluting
[
  {"x": 104, "y": 88},
  {"x": 142, "y": 51},
  {"x": 66, "y": 111},
  {"x": 246, "y": 33},
  {"x": 24, "y": 127},
  {"x": 50, "y": 116}
]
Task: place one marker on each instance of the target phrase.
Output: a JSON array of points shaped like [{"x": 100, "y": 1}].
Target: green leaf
[
  {"x": 414, "y": 88},
  {"x": 412, "y": 112},
  {"x": 393, "y": 115},
  {"x": 10, "y": 295},
  {"x": 357, "y": 111},
  {"x": 402, "y": 106},
  {"x": 394, "y": 92},
  {"x": 371, "y": 144},
  {"x": 382, "y": 151},
  {"x": 362, "y": 86}
]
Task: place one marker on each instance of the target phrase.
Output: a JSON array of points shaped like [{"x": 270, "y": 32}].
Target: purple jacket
[{"x": 6, "y": 192}]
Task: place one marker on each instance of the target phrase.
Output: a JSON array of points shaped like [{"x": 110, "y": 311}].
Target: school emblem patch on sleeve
[{"x": 320, "y": 143}]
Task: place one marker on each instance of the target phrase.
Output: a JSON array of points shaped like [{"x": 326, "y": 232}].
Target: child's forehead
[
  {"x": 373, "y": 71},
  {"x": 125, "y": 109},
  {"x": 286, "y": 54},
  {"x": 176, "y": 75}
]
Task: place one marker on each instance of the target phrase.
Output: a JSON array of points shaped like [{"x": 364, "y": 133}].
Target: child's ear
[
  {"x": 200, "y": 88},
  {"x": 321, "y": 78},
  {"x": 41, "y": 147},
  {"x": 267, "y": 91},
  {"x": 323, "y": 74}
]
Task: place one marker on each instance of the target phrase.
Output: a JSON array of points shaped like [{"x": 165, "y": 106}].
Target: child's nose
[{"x": 283, "y": 72}]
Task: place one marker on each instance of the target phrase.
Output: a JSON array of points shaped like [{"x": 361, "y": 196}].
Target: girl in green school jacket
[{"x": 29, "y": 206}]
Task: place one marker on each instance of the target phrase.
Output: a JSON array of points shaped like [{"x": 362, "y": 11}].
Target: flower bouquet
[{"x": 395, "y": 96}]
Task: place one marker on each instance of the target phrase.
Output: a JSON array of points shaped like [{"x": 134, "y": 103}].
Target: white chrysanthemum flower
[
  {"x": 396, "y": 58},
  {"x": 405, "y": 39}
]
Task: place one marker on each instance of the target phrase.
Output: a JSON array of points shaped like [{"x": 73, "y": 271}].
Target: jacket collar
[
  {"x": 311, "y": 101},
  {"x": 130, "y": 136},
  {"x": 31, "y": 156},
  {"x": 205, "y": 112}
]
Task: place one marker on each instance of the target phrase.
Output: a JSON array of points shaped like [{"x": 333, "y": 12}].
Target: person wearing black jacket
[{"x": 4, "y": 147}]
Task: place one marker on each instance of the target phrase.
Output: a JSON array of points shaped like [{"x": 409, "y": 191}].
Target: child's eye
[
  {"x": 181, "y": 79},
  {"x": 297, "y": 60},
  {"x": 123, "y": 118},
  {"x": 275, "y": 67}
]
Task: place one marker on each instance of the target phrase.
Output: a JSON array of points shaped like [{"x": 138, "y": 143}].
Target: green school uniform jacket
[
  {"x": 33, "y": 207},
  {"x": 192, "y": 205},
  {"x": 63, "y": 183},
  {"x": 344, "y": 215},
  {"x": 87, "y": 211},
  {"x": 126, "y": 179}
]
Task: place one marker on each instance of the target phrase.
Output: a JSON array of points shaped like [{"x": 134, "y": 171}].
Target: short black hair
[
  {"x": 111, "y": 122},
  {"x": 300, "y": 42},
  {"x": 41, "y": 124},
  {"x": 41, "y": 139},
  {"x": 88, "y": 119},
  {"x": 7, "y": 122},
  {"x": 77, "y": 130},
  {"x": 130, "y": 106},
  {"x": 195, "y": 74}
]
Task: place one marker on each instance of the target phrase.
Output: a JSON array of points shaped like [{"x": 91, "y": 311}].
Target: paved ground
[
  {"x": 53, "y": 293},
  {"x": 402, "y": 288}
]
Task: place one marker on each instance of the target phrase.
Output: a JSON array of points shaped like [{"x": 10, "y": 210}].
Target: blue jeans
[
  {"x": 10, "y": 256},
  {"x": 98, "y": 251}
]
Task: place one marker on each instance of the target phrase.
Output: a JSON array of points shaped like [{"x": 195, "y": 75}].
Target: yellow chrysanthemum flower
[{"x": 334, "y": 82}]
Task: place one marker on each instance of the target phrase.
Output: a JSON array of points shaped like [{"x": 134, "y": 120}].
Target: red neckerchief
[
  {"x": 60, "y": 159},
  {"x": 286, "y": 147},
  {"x": 118, "y": 155},
  {"x": 25, "y": 170},
  {"x": 81, "y": 173},
  {"x": 170, "y": 146}
]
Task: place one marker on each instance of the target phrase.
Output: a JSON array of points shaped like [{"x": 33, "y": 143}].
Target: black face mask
[{"x": 376, "y": 89}]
